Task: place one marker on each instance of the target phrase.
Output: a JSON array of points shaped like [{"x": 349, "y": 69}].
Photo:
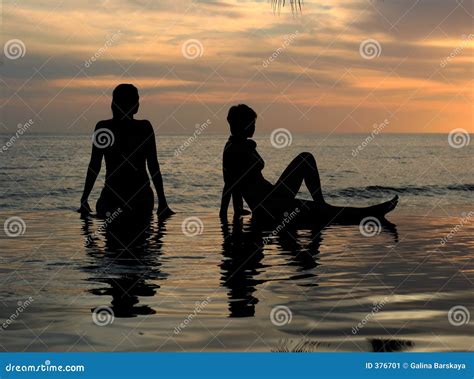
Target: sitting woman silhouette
[
  {"x": 128, "y": 147},
  {"x": 242, "y": 167}
]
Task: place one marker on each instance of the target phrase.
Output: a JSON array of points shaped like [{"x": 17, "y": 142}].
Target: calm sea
[{"x": 408, "y": 287}]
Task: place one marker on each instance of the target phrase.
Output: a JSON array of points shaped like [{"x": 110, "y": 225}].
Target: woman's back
[{"x": 129, "y": 145}]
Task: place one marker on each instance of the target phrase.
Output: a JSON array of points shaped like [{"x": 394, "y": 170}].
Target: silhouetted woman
[
  {"x": 128, "y": 146},
  {"x": 242, "y": 166}
]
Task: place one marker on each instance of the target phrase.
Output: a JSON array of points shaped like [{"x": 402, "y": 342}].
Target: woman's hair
[
  {"x": 125, "y": 101},
  {"x": 241, "y": 119}
]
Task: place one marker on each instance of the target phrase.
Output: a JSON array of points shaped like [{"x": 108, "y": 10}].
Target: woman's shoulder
[
  {"x": 142, "y": 122},
  {"x": 145, "y": 125},
  {"x": 104, "y": 124},
  {"x": 251, "y": 143},
  {"x": 111, "y": 122},
  {"x": 242, "y": 143}
]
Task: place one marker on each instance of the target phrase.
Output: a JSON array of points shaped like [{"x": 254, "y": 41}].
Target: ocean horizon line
[{"x": 6, "y": 133}]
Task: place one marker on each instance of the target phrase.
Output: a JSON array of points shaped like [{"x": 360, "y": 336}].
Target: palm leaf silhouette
[{"x": 295, "y": 5}]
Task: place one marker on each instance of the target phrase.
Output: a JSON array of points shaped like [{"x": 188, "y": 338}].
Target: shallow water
[{"x": 235, "y": 287}]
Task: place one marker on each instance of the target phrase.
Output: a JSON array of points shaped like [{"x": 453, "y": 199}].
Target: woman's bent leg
[
  {"x": 302, "y": 168},
  {"x": 330, "y": 213}
]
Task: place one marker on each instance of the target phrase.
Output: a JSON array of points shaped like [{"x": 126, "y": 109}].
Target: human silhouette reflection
[
  {"x": 303, "y": 257},
  {"x": 390, "y": 346},
  {"x": 127, "y": 263},
  {"x": 242, "y": 251}
]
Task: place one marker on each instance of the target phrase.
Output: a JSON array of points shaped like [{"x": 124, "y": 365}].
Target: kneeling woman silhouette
[
  {"x": 242, "y": 166},
  {"x": 128, "y": 147}
]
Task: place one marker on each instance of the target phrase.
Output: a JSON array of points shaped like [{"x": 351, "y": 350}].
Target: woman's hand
[
  {"x": 242, "y": 212},
  {"x": 223, "y": 214},
  {"x": 85, "y": 207},
  {"x": 164, "y": 211}
]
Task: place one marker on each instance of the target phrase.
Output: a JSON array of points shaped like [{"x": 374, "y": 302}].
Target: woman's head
[
  {"x": 242, "y": 119},
  {"x": 125, "y": 101}
]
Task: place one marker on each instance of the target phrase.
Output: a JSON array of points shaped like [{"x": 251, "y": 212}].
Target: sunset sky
[{"x": 305, "y": 72}]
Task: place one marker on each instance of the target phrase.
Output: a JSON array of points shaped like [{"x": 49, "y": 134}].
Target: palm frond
[{"x": 296, "y": 5}]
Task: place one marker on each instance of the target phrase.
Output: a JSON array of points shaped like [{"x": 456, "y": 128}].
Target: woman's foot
[
  {"x": 381, "y": 210},
  {"x": 354, "y": 214}
]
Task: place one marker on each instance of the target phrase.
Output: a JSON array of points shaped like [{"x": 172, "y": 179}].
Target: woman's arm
[
  {"x": 155, "y": 173},
  {"x": 232, "y": 189},
  {"x": 92, "y": 172},
  {"x": 226, "y": 194},
  {"x": 237, "y": 201}
]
